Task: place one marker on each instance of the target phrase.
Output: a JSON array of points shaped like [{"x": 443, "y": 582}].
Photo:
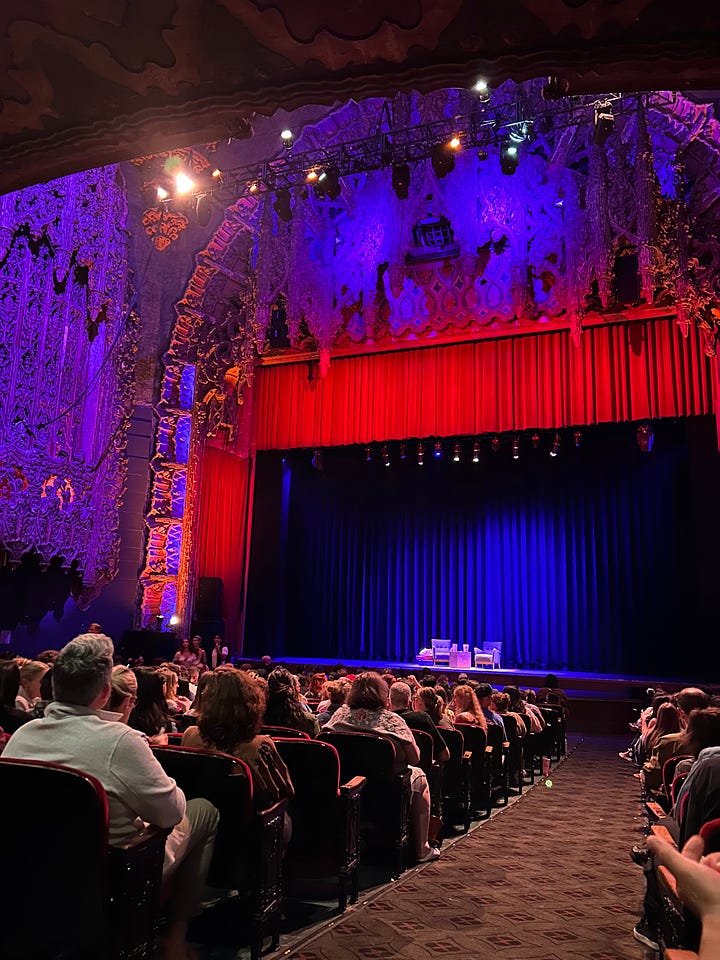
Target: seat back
[
  {"x": 315, "y": 772},
  {"x": 476, "y": 741},
  {"x": 227, "y": 783},
  {"x": 425, "y": 745},
  {"x": 710, "y": 832},
  {"x": 668, "y": 770},
  {"x": 55, "y": 895},
  {"x": 285, "y": 732},
  {"x": 363, "y": 755}
]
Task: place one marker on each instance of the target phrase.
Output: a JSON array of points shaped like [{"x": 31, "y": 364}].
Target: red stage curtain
[
  {"x": 222, "y": 529},
  {"x": 620, "y": 371}
]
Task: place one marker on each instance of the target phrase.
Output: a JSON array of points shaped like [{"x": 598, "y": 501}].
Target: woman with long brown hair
[{"x": 466, "y": 706}]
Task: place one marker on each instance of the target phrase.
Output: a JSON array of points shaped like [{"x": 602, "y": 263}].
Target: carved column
[
  {"x": 599, "y": 222},
  {"x": 646, "y": 194}
]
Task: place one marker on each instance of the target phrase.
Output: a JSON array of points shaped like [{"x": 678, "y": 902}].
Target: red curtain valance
[{"x": 622, "y": 371}]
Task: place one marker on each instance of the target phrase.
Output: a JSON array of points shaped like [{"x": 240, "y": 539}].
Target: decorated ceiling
[{"x": 88, "y": 82}]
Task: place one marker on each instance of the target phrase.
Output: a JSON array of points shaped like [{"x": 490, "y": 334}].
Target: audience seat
[
  {"x": 668, "y": 771},
  {"x": 385, "y": 809},
  {"x": 248, "y": 849},
  {"x": 325, "y": 816},
  {"x": 554, "y": 732},
  {"x": 500, "y": 752},
  {"x": 431, "y": 768},
  {"x": 515, "y": 758},
  {"x": 286, "y": 733},
  {"x": 456, "y": 781},
  {"x": 475, "y": 741},
  {"x": 66, "y": 892}
]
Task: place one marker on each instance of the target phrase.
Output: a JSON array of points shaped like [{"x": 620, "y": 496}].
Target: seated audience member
[
  {"x": 174, "y": 703},
  {"x": 434, "y": 706},
  {"x": 698, "y": 880},
  {"x": 233, "y": 705},
  {"x": 416, "y": 719},
  {"x": 47, "y": 656},
  {"x": 284, "y": 707},
  {"x": 501, "y": 705},
  {"x": 31, "y": 674},
  {"x": 196, "y": 649},
  {"x": 95, "y": 628},
  {"x": 466, "y": 707},
  {"x": 46, "y": 695},
  {"x": 534, "y": 720},
  {"x": 11, "y": 717},
  {"x": 315, "y": 687},
  {"x": 335, "y": 692},
  {"x": 76, "y": 733},
  {"x": 219, "y": 652},
  {"x": 666, "y": 721},
  {"x": 550, "y": 692},
  {"x": 149, "y": 715},
  {"x": 365, "y": 711},
  {"x": 485, "y": 699},
  {"x": 687, "y": 700},
  {"x": 123, "y": 693}
]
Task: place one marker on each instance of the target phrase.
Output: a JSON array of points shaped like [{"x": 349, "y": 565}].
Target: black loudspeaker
[
  {"x": 148, "y": 644},
  {"x": 626, "y": 280},
  {"x": 208, "y": 600}
]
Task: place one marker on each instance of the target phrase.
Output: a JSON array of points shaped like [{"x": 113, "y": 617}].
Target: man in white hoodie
[{"x": 76, "y": 732}]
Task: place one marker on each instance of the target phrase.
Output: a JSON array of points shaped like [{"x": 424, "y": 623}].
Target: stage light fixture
[
  {"x": 520, "y": 132},
  {"x": 437, "y": 451},
  {"x": 203, "y": 209},
  {"x": 312, "y": 175},
  {"x": 645, "y": 437},
  {"x": 253, "y": 186},
  {"x": 287, "y": 138},
  {"x": 328, "y": 183},
  {"x": 421, "y": 454},
  {"x": 476, "y": 451},
  {"x": 368, "y": 454},
  {"x": 535, "y": 440},
  {"x": 454, "y": 143},
  {"x": 174, "y": 620},
  {"x": 482, "y": 90},
  {"x": 509, "y": 158},
  {"x": 282, "y": 206},
  {"x": 217, "y": 174},
  {"x": 386, "y": 455},
  {"x": 555, "y": 448},
  {"x": 516, "y": 448},
  {"x": 577, "y": 437},
  {"x": 401, "y": 180},
  {"x": 403, "y": 451},
  {"x": 162, "y": 193},
  {"x": 183, "y": 184},
  {"x": 604, "y": 124},
  {"x": 442, "y": 159},
  {"x": 456, "y": 452},
  {"x": 495, "y": 444},
  {"x": 317, "y": 460}
]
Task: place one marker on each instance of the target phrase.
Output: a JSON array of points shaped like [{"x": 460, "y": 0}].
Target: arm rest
[
  {"x": 655, "y": 809},
  {"x": 506, "y": 745},
  {"x": 488, "y": 750},
  {"x": 353, "y": 787},
  {"x": 349, "y": 823},
  {"x": 669, "y": 881},
  {"x": 680, "y": 955},
  {"x": 663, "y": 833},
  {"x": 467, "y": 756}
]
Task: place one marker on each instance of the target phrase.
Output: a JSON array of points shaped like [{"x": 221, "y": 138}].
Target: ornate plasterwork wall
[
  {"x": 537, "y": 250},
  {"x": 67, "y": 342}
]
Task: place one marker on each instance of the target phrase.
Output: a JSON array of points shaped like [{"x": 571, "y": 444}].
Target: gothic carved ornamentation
[{"x": 67, "y": 345}]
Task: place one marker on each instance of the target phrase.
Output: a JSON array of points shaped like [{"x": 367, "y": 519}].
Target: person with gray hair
[{"x": 76, "y": 732}]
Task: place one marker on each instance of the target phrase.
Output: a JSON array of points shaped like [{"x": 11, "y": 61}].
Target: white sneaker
[{"x": 433, "y": 854}]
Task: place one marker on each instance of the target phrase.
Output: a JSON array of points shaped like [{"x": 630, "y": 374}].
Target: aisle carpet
[{"x": 548, "y": 879}]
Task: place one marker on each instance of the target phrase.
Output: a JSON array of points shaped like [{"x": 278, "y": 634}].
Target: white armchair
[
  {"x": 441, "y": 652},
  {"x": 494, "y": 648}
]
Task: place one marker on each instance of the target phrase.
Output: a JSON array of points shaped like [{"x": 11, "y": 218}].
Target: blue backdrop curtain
[{"x": 579, "y": 562}]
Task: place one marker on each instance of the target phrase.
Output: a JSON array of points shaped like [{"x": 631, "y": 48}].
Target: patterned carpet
[{"x": 548, "y": 879}]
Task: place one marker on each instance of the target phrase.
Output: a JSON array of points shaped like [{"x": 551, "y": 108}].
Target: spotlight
[
  {"x": 183, "y": 184},
  {"x": 162, "y": 193},
  {"x": 456, "y": 452},
  {"x": 328, "y": 183},
  {"x": 174, "y": 620},
  {"x": 203, "y": 209},
  {"x": 604, "y": 124},
  {"x": 495, "y": 444},
  {"x": 555, "y": 449},
  {"x": 442, "y": 159},
  {"x": 312, "y": 175},
  {"x": 253, "y": 186},
  {"x": 519, "y": 132},
  {"x": 403, "y": 451},
  {"x": 454, "y": 143},
  {"x": 480, "y": 87},
  {"x": 282, "y": 206},
  {"x": 217, "y": 174},
  {"x": 317, "y": 460},
  {"x": 421, "y": 454},
  {"x": 645, "y": 437},
  {"x": 516, "y": 448},
  {"x": 287, "y": 138},
  {"x": 401, "y": 180},
  {"x": 509, "y": 158},
  {"x": 535, "y": 440},
  {"x": 476, "y": 451},
  {"x": 368, "y": 454},
  {"x": 437, "y": 452},
  {"x": 386, "y": 455},
  {"x": 577, "y": 437}
]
